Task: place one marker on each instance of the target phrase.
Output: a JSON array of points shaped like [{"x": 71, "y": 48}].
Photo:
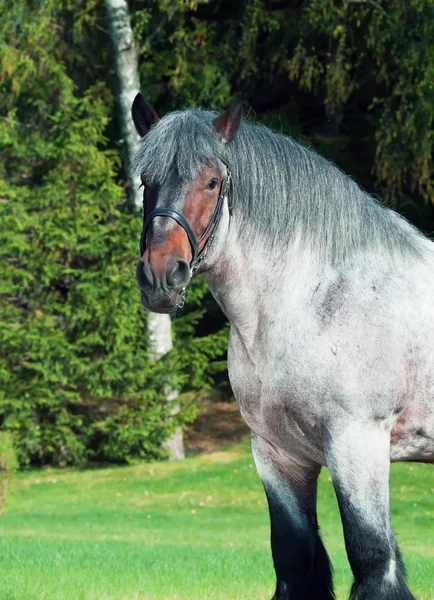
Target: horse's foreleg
[
  {"x": 358, "y": 459},
  {"x": 301, "y": 563}
]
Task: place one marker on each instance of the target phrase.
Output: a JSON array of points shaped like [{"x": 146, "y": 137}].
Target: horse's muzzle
[
  {"x": 162, "y": 289},
  {"x": 160, "y": 304}
]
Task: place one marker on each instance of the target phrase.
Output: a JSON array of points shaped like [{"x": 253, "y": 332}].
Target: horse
[{"x": 330, "y": 298}]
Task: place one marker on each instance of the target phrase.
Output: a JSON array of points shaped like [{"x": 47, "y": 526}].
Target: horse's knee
[
  {"x": 375, "y": 560},
  {"x": 303, "y": 569},
  {"x": 301, "y": 563},
  {"x": 377, "y": 566},
  {"x": 369, "y": 553},
  {"x": 385, "y": 584}
]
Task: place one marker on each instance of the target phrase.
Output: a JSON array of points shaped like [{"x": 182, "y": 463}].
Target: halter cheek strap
[{"x": 195, "y": 243}]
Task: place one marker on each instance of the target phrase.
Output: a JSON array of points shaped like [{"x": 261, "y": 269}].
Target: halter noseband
[{"x": 182, "y": 221}]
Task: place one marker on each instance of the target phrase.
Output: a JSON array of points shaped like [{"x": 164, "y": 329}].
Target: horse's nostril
[
  {"x": 144, "y": 274},
  {"x": 178, "y": 274}
]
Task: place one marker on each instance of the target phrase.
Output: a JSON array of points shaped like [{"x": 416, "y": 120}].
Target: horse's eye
[{"x": 212, "y": 184}]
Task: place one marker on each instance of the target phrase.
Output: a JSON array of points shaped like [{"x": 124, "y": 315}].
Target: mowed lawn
[{"x": 194, "y": 530}]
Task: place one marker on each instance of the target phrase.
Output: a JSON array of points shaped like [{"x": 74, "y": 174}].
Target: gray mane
[{"x": 280, "y": 188}]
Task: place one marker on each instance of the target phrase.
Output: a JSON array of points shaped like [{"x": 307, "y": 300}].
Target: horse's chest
[{"x": 268, "y": 407}]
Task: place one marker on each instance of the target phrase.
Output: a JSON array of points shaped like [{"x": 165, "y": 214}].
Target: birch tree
[{"x": 126, "y": 67}]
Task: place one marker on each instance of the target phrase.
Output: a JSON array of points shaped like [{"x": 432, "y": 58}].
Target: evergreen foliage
[
  {"x": 354, "y": 79},
  {"x": 8, "y": 466},
  {"x": 76, "y": 379}
]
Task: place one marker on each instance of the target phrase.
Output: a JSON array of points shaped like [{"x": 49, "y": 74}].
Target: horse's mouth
[{"x": 162, "y": 304}]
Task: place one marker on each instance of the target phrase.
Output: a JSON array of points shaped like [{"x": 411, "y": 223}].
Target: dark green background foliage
[{"x": 351, "y": 78}]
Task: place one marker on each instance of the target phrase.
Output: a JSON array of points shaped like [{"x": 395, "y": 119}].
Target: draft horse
[{"x": 330, "y": 296}]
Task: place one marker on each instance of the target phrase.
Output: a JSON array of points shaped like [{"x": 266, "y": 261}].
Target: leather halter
[{"x": 197, "y": 256}]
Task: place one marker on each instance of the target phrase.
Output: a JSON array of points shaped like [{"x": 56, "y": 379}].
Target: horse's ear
[
  {"x": 227, "y": 124},
  {"x": 144, "y": 115}
]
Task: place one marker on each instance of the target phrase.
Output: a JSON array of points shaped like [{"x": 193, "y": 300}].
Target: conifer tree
[
  {"x": 76, "y": 379},
  {"x": 125, "y": 60}
]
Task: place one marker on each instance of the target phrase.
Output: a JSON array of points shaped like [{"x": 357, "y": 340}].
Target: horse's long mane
[{"x": 281, "y": 189}]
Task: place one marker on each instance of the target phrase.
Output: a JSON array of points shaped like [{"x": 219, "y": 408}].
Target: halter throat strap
[{"x": 195, "y": 243}]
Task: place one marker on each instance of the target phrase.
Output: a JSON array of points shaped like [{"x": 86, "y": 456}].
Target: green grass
[{"x": 194, "y": 530}]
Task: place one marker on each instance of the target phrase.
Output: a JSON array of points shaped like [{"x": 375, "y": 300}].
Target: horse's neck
[
  {"x": 252, "y": 285},
  {"x": 238, "y": 290}
]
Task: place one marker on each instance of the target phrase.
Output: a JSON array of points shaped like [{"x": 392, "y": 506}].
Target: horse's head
[{"x": 181, "y": 161}]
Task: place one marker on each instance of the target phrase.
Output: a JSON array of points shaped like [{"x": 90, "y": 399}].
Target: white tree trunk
[{"x": 126, "y": 66}]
